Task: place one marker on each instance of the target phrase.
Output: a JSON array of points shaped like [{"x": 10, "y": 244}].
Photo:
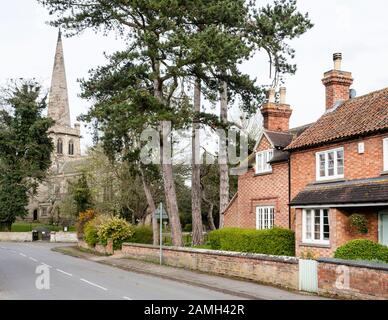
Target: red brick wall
[
  {"x": 357, "y": 166},
  {"x": 231, "y": 216},
  {"x": 352, "y": 281},
  {"x": 340, "y": 231},
  {"x": 280, "y": 271},
  {"x": 256, "y": 190}
]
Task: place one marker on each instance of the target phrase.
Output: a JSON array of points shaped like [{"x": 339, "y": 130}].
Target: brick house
[
  {"x": 334, "y": 168},
  {"x": 263, "y": 195}
]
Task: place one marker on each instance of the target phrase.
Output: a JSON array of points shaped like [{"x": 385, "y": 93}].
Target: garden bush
[
  {"x": 361, "y": 249},
  {"x": 90, "y": 234},
  {"x": 142, "y": 234},
  {"x": 116, "y": 229},
  {"x": 276, "y": 241},
  {"x": 83, "y": 219}
]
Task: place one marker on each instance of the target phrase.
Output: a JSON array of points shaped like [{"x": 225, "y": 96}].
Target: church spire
[{"x": 58, "y": 107}]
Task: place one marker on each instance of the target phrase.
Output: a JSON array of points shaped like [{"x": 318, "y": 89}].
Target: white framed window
[
  {"x": 315, "y": 226},
  {"x": 385, "y": 153},
  {"x": 262, "y": 158},
  {"x": 264, "y": 217},
  {"x": 330, "y": 164}
]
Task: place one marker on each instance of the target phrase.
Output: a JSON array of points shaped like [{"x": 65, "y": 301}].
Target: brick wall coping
[
  {"x": 356, "y": 263},
  {"x": 257, "y": 256}
]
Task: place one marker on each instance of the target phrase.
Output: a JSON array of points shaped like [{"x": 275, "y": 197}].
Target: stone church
[{"x": 66, "y": 158}]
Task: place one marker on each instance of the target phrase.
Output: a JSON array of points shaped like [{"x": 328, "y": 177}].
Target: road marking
[
  {"x": 33, "y": 259},
  {"x": 64, "y": 272},
  {"x": 47, "y": 265},
  {"x": 127, "y": 298},
  {"x": 93, "y": 284},
  {"x": 23, "y": 255}
]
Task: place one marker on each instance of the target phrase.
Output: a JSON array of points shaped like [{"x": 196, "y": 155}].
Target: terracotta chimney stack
[
  {"x": 337, "y": 83},
  {"x": 276, "y": 116}
]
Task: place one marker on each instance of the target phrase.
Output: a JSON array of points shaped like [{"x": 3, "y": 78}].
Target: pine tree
[
  {"x": 169, "y": 42},
  {"x": 25, "y": 148}
]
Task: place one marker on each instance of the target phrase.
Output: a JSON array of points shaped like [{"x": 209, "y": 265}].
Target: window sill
[
  {"x": 262, "y": 173},
  {"x": 384, "y": 173},
  {"x": 318, "y": 245},
  {"x": 329, "y": 180}
]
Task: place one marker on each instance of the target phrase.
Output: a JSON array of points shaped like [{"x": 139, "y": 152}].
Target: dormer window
[
  {"x": 262, "y": 158},
  {"x": 385, "y": 153},
  {"x": 71, "y": 147},
  {"x": 330, "y": 164},
  {"x": 59, "y": 146}
]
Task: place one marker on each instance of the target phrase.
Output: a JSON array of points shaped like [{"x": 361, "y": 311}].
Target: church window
[
  {"x": 71, "y": 147},
  {"x": 59, "y": 146}
]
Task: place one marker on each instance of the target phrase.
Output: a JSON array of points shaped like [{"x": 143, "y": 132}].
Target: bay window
[
  {"x": 315, "y": 226},
  {"x": 330, "y": 164}
]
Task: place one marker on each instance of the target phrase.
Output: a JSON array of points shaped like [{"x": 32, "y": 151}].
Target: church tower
[{"x": 66, "y": 138}]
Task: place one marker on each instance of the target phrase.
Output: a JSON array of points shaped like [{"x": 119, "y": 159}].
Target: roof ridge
[
  {"x": 366, "y": 95},
  {"x": 329, "y": 127}
]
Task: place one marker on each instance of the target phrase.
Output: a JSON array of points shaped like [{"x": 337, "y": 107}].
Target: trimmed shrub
[
  {"x": 116, "y": 229},
  {"x": 90, "y": 234},
  {"x": 361, "y": 249},
  {"x": 142, "y": 234},
  {"x": 91, "y": 228},
  {"x": 83, "y": 219},
  {"x": 276, "y": 241}
]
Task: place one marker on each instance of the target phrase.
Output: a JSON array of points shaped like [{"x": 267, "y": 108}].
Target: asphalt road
[{"x": 71, "y": 278}]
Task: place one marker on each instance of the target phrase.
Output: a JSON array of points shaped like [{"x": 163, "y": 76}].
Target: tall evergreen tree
[
  {"x": 169, "y": 42},
  {"x": 25, "y": 148}
]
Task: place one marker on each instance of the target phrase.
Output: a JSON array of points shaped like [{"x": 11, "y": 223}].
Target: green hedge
[
  {"x": 361, "y": 249},
  {"x": 276, "y": 241},
  {"x": 142, "y": 234}
]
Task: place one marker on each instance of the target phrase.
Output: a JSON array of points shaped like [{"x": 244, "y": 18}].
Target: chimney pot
[
  {"x": 337, "y": 58},
  {"x": 271, "y": 95},
  {"x": 282, "y": 92}
]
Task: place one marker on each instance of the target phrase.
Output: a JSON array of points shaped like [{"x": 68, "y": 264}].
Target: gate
[
  {"x": 308, "y": 275},
  {"x": 41, "y": 234}
]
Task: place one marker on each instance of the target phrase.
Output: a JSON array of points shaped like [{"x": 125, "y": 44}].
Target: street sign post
[{"x": 160, "y": 214}]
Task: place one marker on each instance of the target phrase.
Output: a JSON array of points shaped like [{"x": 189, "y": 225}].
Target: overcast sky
[{"x": 357, "y": 28}]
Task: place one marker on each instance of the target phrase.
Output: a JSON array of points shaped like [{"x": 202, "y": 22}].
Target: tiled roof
[
  {"x": 279, "y": 139},
  {"x": 374, "y": 190},
  {"x": 358, "y": 116}
]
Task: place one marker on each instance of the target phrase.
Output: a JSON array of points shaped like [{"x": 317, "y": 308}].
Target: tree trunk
[
  {"x": 172, "y": 205},
  {"x": 210, "y": 218},
  {"x": 196, "y": 173},
  {"x": 152, "y": 207},
  {"x": 168, "y": 179},
  {"x": 223, "y": 156}
]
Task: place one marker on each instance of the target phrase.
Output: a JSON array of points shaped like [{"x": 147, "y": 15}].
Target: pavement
[{"x": 27, "y": 268}]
